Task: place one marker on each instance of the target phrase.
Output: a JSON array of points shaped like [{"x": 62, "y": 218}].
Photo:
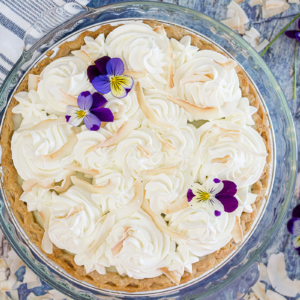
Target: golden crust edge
[{"x": 114, "y": 281}]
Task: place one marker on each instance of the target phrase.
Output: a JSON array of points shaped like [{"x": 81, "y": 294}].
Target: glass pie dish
[{"x": 239, "y": 271}]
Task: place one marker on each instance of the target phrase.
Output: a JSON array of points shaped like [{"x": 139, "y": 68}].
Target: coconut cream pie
[{"x": 136, "y": 157}]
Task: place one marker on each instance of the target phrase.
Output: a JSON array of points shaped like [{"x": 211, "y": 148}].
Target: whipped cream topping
[
  {"x": 231, "y": 152},
  {"x": 61, "y": 82},
  {"x": 142, "y": 49},
  {"x": 207, "y": 83},
  {"x": 37, "y": 154},
  {"x": 102, "y": 217}
]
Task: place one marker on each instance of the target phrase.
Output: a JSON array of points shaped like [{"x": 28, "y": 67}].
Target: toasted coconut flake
[
  {"x": 159, "y": 222},
  {"x": 118, "y": 247},
  {"x": 160, "y": 30},
  {"x": 120, "y": 113},
  {"x": 238, "y": 1},
  {"x": 34, "y": 284},
  {"x": 65, "y": 149},
  {"x": 94, "y": 189},
  {"x": 47, "y": 245},
  {"x": 233, "y": 23},
  {"x": 166, "y": 146},
  {"x": 73, "y": 211},
  {"x": 170, "y": 171},
  {"x": 2, "y": 263},
  {"x": 65, "y": 185},
  {"x": 237, "y": 231},
  {"x": 63, "y": 96},
  {"x": 229, "y": 65},
  {"x": 4, "y": 286},
  {"x": 294, "y": 1},
  {"x": 252, "y": 37},
  {"x": 273, "y": 8},
  {"x": 76, "y": 168},
  {"x": 255, "y": 2},
  {"x": 239, "y": 11},
  {"x": 33, "y": 81},
  {"x": 119, "y": 136},
  {"x": 259, "y": 290},
  {"x": 143, "y": 151},
  {"x": 83, "y": 55},
  {"x": 170, "y": 81},
  {"x": 148, "y": 110},
  {"x": 262, "y": 45},
  {"x": 195, "y": 78},
  {"x": 279, "y": 278},
  {"x": 174, "y": 276},
  {"x": 44, "y": 125},
  {"x": 222, "y": 160},
  {"x": 29, "y": 184},
  {"x": 135, "y": 74},
  {"x": 176, "y": 206},
  {"x": 32, "y": 296},
  {"x": 29, "y": 276},
  {"x": 263, "y": 274},
  {"x": 204, "y": 113}
]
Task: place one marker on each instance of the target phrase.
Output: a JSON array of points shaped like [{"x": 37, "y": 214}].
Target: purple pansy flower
[
  {"x": 293, "y": 227},
  {"x": 294, "y": 34},
  {"x": 107, "y": 76},
  {"x": 90, "y": 111},
  {"x": 214, "y": 191}
]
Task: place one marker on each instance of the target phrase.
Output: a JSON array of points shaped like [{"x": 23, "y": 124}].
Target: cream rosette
[
  {"x": 231, "y": 152},
  {"x": 93, "y": 49},
  {"x": 164, "y": 110},
  {"x": 165, "y": 186},
  {"x": 61, "y": 82},
  {"x": 207, "y": 86},
  {"x": 203, "y": 232},
  {"x": 139, "y": 152},
  {"x": 74, "y": 220},
  {"x": 142, "y": 49},
  {"x": 180, "y": 146},
  {"x": 41, "y": 151},
  {"x": 30, "y": 105},
  {"x": 183, "y": 51}
]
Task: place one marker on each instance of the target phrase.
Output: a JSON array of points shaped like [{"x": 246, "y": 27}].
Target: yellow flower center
[
  {"x": 203, "y": 196},
  {"x": 80, "y": 114}
]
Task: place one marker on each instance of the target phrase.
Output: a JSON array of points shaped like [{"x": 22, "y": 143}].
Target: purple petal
[
  {"x": 68, "y": 118},
  {"x": 216, "y": 180},
  {"x": 190, "y": 195},
  {"x": 92, "y": 122},
  {"x": 217, "y": 213},
  {"x": 103, "y": 114},
  {"x": 229, "y": 188},
  {"x": 230, "y": 203},
  {"x": 296, "y": 212},
  {"x": 92, "y": 72},
  {"x": 101, "y": 64},
  {"x": 98, "y": 100},
  {"x": 291, "y": 33},
  {"x": 115, "y": 67},
  {"x": 299, "y": 24},
  {"x": 298, "y": 36},
  {"x": 85, "y": 100},
  {"x": 101, "y": 84},
  {"x": 293, "y": 226}
]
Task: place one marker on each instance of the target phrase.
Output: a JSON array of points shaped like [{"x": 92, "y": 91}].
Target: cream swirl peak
[{"x": 143, "y": 190}]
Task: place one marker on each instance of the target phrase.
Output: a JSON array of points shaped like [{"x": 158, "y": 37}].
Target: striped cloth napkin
[{"x": 16, "y": 16}]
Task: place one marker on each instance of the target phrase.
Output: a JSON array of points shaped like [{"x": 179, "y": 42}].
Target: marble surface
[{"x": 280, "y": 59}]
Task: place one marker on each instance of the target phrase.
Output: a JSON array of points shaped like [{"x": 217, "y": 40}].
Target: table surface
[{"x": 280, "y": 59}]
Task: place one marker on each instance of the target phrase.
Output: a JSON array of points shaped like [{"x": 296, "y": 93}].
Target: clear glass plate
[{"x": 238, "y": 274}]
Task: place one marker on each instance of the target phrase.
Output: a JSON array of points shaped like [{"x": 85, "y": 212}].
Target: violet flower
[
  {"x": 90, "y": 111},
  {"x": 294, "y": 34},
  {"x": 107, "y": 76},
  {"x": 293, "y": 227},
  {"x": 216, "y": 192}
]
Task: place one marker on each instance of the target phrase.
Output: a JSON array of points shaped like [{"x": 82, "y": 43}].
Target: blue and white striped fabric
[{"x": 16, "y": 16}]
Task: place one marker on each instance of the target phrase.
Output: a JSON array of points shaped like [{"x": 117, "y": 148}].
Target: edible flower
[
  {"x": 216, "y": 192},
  {"x": 294, "y": 34},
  {"x": 293, "y": 227},
  {"x": 90, "y": 111},
  {"x": 107, "y": 76}
]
